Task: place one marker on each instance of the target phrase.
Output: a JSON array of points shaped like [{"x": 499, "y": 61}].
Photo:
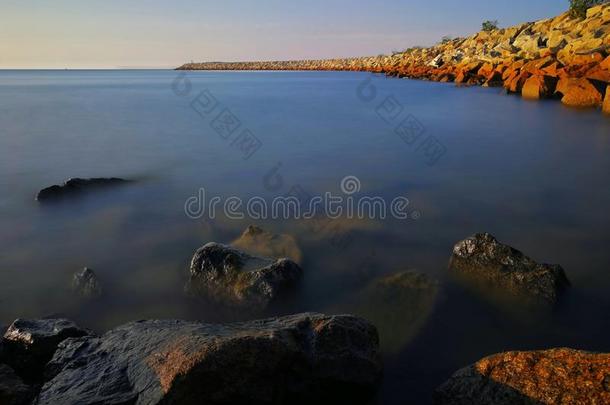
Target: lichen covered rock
[{"x": 549, "y": 377}]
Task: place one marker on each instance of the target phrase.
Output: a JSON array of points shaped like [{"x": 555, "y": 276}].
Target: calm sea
[{"x": 534, "y": 174}]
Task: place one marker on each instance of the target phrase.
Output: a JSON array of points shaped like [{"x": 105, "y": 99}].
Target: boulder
[
  {"x": 304, "y": 358},
  {"x": 399, "y": 305},
  {"x": 538, "y": 86},
  {"x": 515, "y": 82},
  {"x": 28, "y": 345},
  {"x": 549, "y": 377},
  {"x": 579, "y": 92},
  {"x": 257, "y": 241},
  {"x": 86, "y": 284},
  {"x": 606, "y": 106},
  {"x": 13, "y": 391},
  {"x": 76, "y": 186},
  {"x": 490, "y": 265},
  {"x": 228, "y": 275}
]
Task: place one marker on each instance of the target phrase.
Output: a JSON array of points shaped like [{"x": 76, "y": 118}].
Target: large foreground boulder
[
  {"x": 487, "y": 263},
  {"x": 550, "y": 377},
  {"x": 76, "y": 186},
  {"x": 228, "y": 275},
  {"x": 13, "y": 391},
  {"x": 302, "y": 358},
  {"x": 28, "y": 345}
]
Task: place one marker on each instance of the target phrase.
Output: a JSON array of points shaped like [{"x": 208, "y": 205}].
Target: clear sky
[{"x": 167, "y": 33}]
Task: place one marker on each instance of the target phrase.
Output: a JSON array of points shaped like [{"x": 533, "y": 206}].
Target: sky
[{"x": 61, "y": 34}]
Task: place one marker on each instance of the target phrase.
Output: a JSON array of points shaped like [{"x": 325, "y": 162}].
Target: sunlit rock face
[{"x": 549, "y": 377}]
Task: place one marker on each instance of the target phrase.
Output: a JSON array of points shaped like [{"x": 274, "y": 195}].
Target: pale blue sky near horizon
[{"x": 157, "y": 33}]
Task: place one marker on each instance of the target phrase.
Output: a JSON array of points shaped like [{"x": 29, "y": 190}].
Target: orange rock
[
  {"x": 461, "y": 77},
  {"x": 579, "y": 92},
  {"x": 486, "y": 70},
  {"x": 515, "y": 83},
  {"x": 549, "y": 377},
  {"x": 537, "y": 87},
  {"x": 535, "y": 66},
  {"x": 551, "y": 70},
  {"x": 598, "y": 73},
  {"x": 606, "y": 106}
]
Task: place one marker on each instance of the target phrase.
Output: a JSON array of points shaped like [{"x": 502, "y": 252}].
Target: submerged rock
[
  {"x": 398, "y": 305},
  {"x": 490, "y": 264},
  {"x": 228, "y": 275},
  {"x": 76, "y": 186},
  {"x": 86, "y": 284},
  {"x": 549, "y": 377},
  {"x": 257, "y": 241},
  {"x": 28, "y": 345},
  {"x": 302, "y": 358},
  {"x": 13, "y": 391}
]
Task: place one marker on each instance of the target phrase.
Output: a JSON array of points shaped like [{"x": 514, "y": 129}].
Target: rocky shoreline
[
  {"x": 295, "y": 359},
  {"x": 565, "y": 57}
]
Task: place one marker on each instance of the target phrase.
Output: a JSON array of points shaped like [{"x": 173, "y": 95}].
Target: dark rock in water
[
  {"x": 86, "y": 284},
  {"x": 301, "y": 359},
  {"x": 549, "y": 377},
  {"x": 228, "y": 275},
  {"x": 482, "y": 259},
  {"x": 76, "y": 186},
  {"x": 256, "y": 241},
  {"x": 28, "y": 345},
  {"x": 13, "y": 391},
  {"x": 399, "y": 305}
]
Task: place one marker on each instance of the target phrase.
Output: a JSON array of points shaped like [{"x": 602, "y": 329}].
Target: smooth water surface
[{"x": 534, "y": 174}]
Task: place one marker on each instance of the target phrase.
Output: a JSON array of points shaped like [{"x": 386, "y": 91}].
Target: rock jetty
[{"x": 563, "y": 57}]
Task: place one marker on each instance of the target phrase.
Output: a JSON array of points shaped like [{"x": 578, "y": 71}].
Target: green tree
[
  {"x": 578, "y": 8},
  {"x": 446, "y": 39},
  {"x": 490, "y": 25}
]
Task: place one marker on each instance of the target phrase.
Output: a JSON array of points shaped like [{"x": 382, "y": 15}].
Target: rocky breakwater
[
  {"x": 563, "y": 57},
  {"x": 303, "y": 358}
]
